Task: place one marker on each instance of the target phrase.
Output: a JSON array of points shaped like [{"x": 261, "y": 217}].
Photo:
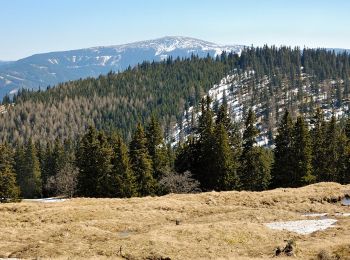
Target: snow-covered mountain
[{"x": 41, "y": 70}]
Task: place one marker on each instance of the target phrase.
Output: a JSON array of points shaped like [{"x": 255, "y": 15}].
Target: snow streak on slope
[{"x": 242, "y": 91}]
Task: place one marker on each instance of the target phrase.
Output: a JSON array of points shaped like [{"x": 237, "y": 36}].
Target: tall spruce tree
[
  {"x": 331, "y": 160},
  {"x": 123, "y": 181},
  {"x": 47, "y": 170},
  {"x": 225, "y": 169},
  {"x": 318, "y": 137},
  {"x": 203, "y": 169},
  {"x": 9, "y": 190},
  {"x": 343, "y": 169},
  {"x": 141, "y": 163},
  {"x": 29, "y": 174},
  {"x": 89, "y": 159},
  {"x": 157, "y": 148},
  {"x": 345, "y": 174},
  {"x": 254, "y": 169},
  {"x": 105, "y": 182},
  {"x": 283, "y": 167},
  {"x": 302, "y": 154}
]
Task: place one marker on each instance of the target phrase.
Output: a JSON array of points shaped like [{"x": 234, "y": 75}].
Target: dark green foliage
[
  {"x": 116, "y": 101},
  {"x": 331, "y": 158},
  {"x": 283, "y": 167},
  {"x": 318, "y": 135},
  {"x": 123, "y": 179},
  {"x": 94, "y": 162},
  {"x": 141, "y": 163},
  {"x": 9, "y": 190},
  {"x": 28, "y": 171},
  {"x": 214, "y": 154},
  {"x": 254, "y": 164},
  {"x": 157, "y": 148},
  {"x": 204, "y": 169},
  {"x": 224, "y": 165},
  {"x": 302, "y": 155}
]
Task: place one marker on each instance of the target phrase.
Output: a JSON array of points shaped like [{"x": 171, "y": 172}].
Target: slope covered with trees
[
  {"x": 105, "y": 137},
  {"x": 167, "y": 89}
]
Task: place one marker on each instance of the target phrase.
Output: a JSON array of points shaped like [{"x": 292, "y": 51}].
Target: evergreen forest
[{"x": 105, "y": 136}]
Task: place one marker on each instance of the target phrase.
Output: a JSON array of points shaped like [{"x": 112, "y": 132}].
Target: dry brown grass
[{"x": 214, "y": 225}]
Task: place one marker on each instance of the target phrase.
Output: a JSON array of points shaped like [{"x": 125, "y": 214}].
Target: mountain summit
[{"x": 41, "y": 70}]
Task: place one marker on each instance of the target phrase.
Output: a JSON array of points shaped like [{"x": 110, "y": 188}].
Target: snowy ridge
[
  {"x": 170, "y": 43},
  {"x": 45, "y": 69}
]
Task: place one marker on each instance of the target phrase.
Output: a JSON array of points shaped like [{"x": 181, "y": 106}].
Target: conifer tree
[
  {"x": 204, "y": 147},
  {"x": 9, "y": 190},
  {"x": 343, "y": 165},
  {"x": 47, "y": 170},
  {"x": 123, "y": 181},
  {"x": 224, "y": 166},
  {"x": 283, "y": 167},
  {"x": 318, "y": 144},
  {"x": 254, "y": 167},
  {"x": 141, "y": 163},
  {"x": 29, "y": 175},
  {"x": 157, "y": 148},
  {"x": 86, "y": 160},
  {"x": 345, "y": 174},
  {"x": 302, "y": 154},
  {"x": 58, "y": 157},
  {"x": 105, "y": 182},
  {"x": 331, "y": 159}
]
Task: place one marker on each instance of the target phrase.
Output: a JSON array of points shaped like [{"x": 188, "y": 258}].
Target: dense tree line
[
  {"x": 216, "y": 157},
  {"x": 113, "y": 155},
  {"x": 117, "y": 101}
]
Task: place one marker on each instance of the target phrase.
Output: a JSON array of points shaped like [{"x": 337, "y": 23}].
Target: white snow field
[
  {"x": 303, "y": 227},
  {"x": 46, "y": 200}
]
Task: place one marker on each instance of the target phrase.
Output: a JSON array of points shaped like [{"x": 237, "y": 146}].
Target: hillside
[
  {"x": 268, "y": 79},
  {"x": 229, "y": 225},
  {"x": 42, "y": 70}
]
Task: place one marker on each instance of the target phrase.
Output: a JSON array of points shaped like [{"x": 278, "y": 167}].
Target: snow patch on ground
[
  {"x": 46, "y": 200},
  {"x": 343, "y": 214},
  {"x": 303, "y": 227},
  {"x": 315, "y": 214}
]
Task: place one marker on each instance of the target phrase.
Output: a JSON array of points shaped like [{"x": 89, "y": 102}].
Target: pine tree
[
  {"x": 141, "y": 163},
  {"x": 86, "y": 161},
  {"x": 331, "y": 159},
  {"x": 224, "y": 166},
  {"x": 345, "y": 174},
  {"x": 29, "y": 175},
  {"x": 123, "y": 181},
  {"x": 58, "y": 157},
  {"x": 283, "y": 167},
  {"x": 203, "y": 168},
  {"x": 254, "y": 166},
  {"x": 302, "y": 154},
  {"x": 157, "y": 148},
  {"x": 343, "y": 165},
  {"x": 9, "y": 190},
  {"x": 318, "y": 144},
  {"x": 47, "y": 170},
  {"x": 104, "y": 154}
]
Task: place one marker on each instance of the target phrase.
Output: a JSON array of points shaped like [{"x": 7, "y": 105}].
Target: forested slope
[{"x": 119, "y": 100}]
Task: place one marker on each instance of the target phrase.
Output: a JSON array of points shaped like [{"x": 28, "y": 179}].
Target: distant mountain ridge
[{"x": 41, "y": 70}]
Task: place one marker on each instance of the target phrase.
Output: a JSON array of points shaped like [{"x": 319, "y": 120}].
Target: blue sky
[{"x": 36, "y": 26}]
